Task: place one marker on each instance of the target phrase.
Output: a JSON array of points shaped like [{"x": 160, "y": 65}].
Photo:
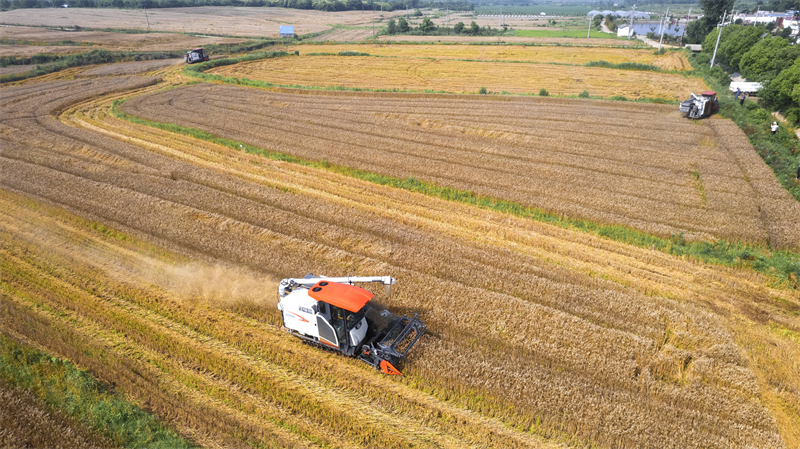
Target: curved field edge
[
  {"x": 783, "y": 265},
  {"x": 80, "y": 396},
  {"x": 198, "y": 71}
]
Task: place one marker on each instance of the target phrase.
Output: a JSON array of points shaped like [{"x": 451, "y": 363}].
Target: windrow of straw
[{"x": 547, "y": 330}]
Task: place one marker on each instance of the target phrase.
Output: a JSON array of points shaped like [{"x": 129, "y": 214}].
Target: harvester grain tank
[
  {"x": 335, "y": 314},
  {"x": 700, "y": 106}
]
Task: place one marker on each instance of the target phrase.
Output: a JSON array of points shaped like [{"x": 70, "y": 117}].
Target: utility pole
[
  {"x": 630, "y": 25},
  {"x": 680, "y": 44},
  {"x": 146, "y": 18},
  {"x": 373, "y": 20},
  {"x": 662, "y": 29},
  {"x": 718, "y": 36},
  {"x": 590, "y": 27}
]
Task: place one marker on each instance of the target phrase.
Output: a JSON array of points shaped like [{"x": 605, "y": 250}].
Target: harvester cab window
[
  {"x": 323, "y": 309},
  {"x": 353, "y": 318},
  {"x": 337, "y": 320}
]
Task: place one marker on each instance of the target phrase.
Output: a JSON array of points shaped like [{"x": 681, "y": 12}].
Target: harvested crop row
[
  {"x": 420, "y": 74},
  {"x": 681, "y": 280},
  {"x": 518, "y": 150},
  {"x": 263, "y": 215}
]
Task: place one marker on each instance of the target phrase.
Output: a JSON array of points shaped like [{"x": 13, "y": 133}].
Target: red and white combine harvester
[
  {"x": 335, "y": 314},
  {"x": 699, "y": 106}
]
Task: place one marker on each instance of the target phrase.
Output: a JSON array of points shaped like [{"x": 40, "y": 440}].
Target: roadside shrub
[
  {"x": 482, "y": 91},
  {"x": 543, "y": 92},
  {"x": 584, "y": 94}
]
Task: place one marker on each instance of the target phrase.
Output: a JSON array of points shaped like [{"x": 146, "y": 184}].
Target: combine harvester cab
[
  {"x": 335, "y": 314},
  {"x": 699, "y": 106}
]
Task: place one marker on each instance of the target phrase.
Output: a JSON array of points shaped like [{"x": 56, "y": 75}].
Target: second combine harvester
[{"x": 333, "y": 313}]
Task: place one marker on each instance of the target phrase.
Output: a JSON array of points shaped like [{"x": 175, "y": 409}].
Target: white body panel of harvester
[{"x": 298, "y": 312}]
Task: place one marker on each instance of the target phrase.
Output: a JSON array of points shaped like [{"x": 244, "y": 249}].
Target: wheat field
[
  {"x": 608, "y": 162},
  {"x": 151, "y": 258},
  {"x": 422, "y": 74},
  {"x": 518, "y": 53}
]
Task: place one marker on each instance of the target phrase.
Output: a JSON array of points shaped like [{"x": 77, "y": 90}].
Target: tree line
[{"x": 428, "y": 28}]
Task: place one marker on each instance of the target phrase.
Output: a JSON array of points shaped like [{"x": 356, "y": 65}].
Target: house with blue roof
[{"x": 287, "y": 31}]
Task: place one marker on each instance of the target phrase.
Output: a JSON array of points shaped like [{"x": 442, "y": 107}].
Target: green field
[
  {"x": 551, "y": 10},
  {"x": 565, "y": 33}
]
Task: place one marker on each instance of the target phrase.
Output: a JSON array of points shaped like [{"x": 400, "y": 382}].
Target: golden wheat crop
[
  {"x": 420, "y": 74},
  {"x": 535, "y": 330},
  {"x": 540, "y": 54}
]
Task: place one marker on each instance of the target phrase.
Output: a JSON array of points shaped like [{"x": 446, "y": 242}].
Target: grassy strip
[
  {"x": 61, "y": 43},
  {"x": 80, "y": 396},
  {"x": 783, "y": 265},
  {"x": 627, "y": 66},
  {"x": 62, "y": 62},
  {"x": 581, "y": 34},
  {"x": 780, "y": 150}
]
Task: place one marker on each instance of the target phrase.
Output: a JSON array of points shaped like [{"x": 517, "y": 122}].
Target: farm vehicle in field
[
  {"x": 196, "y": 55},
  {"x": 334, "y": 314},
  {"x": 700, "y": 106}
]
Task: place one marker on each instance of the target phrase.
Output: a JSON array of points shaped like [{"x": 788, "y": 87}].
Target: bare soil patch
[
  {"x": 30, "y": 50},
  {"x": 346, "y": 35},
  {"x": 108, "y": 40},
  {"x": 237, "y": 21},
  {"x": 12, "y": 69},
  {"x": 131, "y": 68}
]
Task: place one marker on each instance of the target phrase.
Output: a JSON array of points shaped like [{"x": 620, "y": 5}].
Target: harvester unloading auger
[{"x": 333, "y": 313}]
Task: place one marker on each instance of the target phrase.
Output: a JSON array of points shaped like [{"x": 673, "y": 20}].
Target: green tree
[
  {"x": 458, "y": 28},
  {"x": 402, "y": 25},
  {"x": 735, "y": 42},
  {"x": 767, "y": 58},
  {"x": 474, "y": 29},
  {"x": 391, "y": 27},
  {"x": 427, "y": 25},
  {"x": 714, "y": 9},
  {"x": 417, "y": 13},
  {"x": 783, "y": 92},
  {"x": 597, "y": 20}
]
